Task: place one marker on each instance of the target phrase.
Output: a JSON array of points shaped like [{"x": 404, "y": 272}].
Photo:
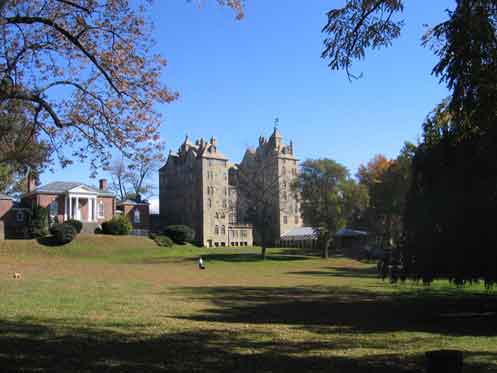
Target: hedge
[
  {"x": 119, "y": 225},
  {"x": 180, "y": 233},
  {"x": 76, "y": 224},
  {"x": 63, "y": 233}
]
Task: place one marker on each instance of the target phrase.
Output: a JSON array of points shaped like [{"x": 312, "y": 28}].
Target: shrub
[
  {"x": 63, "y": 233},
  {"x": 163, "y": 241},
  {"x": 76, "y": 224},
  {"x": 180, "y": 233},
  {"x": 118, "y": 225},
  {"x": 38, "y": 222}
]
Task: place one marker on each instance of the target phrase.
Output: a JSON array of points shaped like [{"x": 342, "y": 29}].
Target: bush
[
  {"x": 163, "y": 241},
  {"x": 38, "y": 222},
  {"x": 63, "y": 233},
  {"x": 180, "y": 233},
  {"x": 119, "y": 225},
  {"x": 76, "y": 224}
]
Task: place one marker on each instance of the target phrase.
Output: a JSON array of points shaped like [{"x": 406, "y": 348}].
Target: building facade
[
  {"x": 70, "y": 200},
  {"x": 199, "y": 187}
]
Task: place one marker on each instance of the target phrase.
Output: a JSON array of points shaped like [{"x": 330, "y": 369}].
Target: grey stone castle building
[{"x": 199, "y": 187}]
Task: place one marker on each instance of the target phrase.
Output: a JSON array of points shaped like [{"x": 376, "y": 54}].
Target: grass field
[{"x": 118, "y": 304}]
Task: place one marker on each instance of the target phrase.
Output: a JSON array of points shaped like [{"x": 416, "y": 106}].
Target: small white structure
[{"x": 304, "y": 237}]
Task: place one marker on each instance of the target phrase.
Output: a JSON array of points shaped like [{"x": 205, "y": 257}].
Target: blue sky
[{"x": 235, "y": 77}]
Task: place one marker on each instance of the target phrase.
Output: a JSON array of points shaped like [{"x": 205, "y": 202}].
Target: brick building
[{"x": 70, "y": 200}]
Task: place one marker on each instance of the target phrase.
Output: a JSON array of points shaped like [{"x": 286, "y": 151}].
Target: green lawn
[{"x": 118, "y": 304}]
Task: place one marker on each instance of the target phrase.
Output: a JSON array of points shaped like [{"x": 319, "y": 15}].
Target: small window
[
  {"x": 209, "y": 203},
  {"x": 136, "y": 216},
  {"x": 101, "y": 210},
  {"x": 223, "y": 229},
  {"x": 216, "y": 230}
]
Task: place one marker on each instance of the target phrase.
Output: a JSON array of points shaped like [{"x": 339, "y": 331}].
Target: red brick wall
[
  {"x": 109, "y": 208},
  {"x": 129, "y": 212},
  {"x": 44, "y": 200}
]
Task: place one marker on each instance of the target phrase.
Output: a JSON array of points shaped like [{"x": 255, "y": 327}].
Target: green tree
[
  {"x": 454, "y": 169},
  {"x": 387, "y": 182},
  {"x": 20, "y": 151},
  {"x": 330, "y": 198}
]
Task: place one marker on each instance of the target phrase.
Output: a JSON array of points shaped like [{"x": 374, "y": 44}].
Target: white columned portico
[{"x": 74, "y": 210}]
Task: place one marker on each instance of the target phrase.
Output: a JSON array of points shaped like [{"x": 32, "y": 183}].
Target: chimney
[
  {"x": 102, "y": 184},
  {"x": 31, "y": 183}
]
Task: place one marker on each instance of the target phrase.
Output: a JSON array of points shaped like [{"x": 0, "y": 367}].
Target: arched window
[{"x": 136, "y": 216}]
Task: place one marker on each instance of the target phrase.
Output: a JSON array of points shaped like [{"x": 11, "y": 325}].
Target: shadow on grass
[
  {"x": 368, "y": 272},
  {"x": 30, "y": 346},
  {"x": 249, "y": 257},
  {"x": 49, "y": 241},
  {"x": 318, "y": 309}
]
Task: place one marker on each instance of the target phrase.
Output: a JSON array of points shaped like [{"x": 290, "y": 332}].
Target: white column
[
  {"x": 78, "y": 212},
  {"x": 70, "y": 207},
  {"x": 65, "y": 207},
  {"x": 95, "y": 209}
]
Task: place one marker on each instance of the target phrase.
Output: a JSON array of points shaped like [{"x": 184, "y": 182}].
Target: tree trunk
[
  {"x": 326, "y": 248},
  {"x": 263, "y": 251}
]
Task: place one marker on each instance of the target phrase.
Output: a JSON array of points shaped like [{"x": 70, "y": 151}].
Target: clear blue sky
[{"x": 235, "y": 77}]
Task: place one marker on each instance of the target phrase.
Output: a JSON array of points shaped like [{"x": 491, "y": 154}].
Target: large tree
[
  {"x": 131, "y": 178},
  {"x": 88, "y": 71},
  {"x": 452, "y": 194},
  {"x": 330, "y": 198},
  {"x": 260, "y": 190}
]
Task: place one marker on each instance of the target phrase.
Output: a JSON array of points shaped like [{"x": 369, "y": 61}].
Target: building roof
[
  {"x": 131, "y": 203},
  {"x": 345, "y": 232},
  {"x": 299, "y": 234},
  {"x": 59, "y": 187},
  {"x": 5, "y": 197}
]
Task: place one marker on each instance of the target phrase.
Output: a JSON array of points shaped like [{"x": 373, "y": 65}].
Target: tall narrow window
[
  {"x": 101, "y": 210},
  {"x": 54, "y": 208},
  {"x": 216, "y": 230},
  {"x": 136, "y": 216},
  {"x": 223, "y": 229},
  {"x": 209, "y": 203}
]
